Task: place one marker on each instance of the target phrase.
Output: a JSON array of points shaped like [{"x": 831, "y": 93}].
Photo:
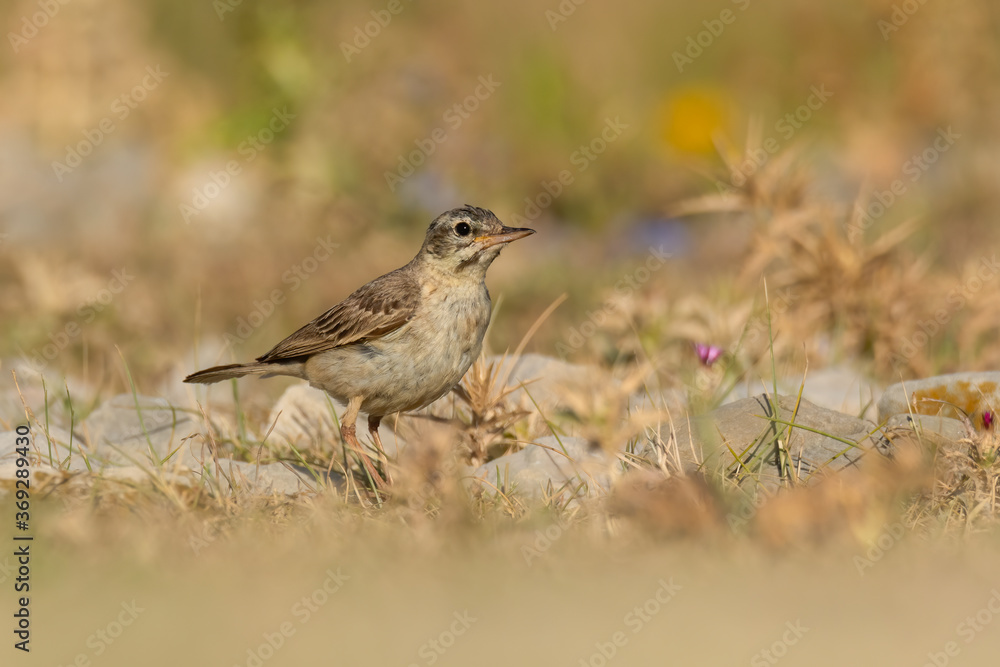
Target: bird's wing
[{"x": 376, "y": 309}]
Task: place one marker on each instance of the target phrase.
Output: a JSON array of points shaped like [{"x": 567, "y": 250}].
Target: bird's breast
[
  {"x": 456, "y": 319},
  {"x": 421, "y": 361}
]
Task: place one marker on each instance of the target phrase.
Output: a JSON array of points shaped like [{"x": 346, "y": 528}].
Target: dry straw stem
[{"x": 868, "y": 290}]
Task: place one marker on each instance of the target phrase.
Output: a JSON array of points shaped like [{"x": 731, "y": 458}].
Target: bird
[{"x": 401, "y": 341}]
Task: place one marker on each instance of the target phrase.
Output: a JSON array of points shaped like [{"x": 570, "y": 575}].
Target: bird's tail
[{"x": 228, "y": 372}]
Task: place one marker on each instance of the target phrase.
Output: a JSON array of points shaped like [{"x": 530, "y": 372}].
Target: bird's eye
[{"x": 463, "y": 229}]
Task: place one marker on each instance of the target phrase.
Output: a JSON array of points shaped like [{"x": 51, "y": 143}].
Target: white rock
[
  {"x": 302, "y": 417},
  {"x": 267, "y": 478},
  {"x": 937, "y": 428},
  {"x": 954, "y": 395},
  {"x": 117, "y": 433},
  {"x": 138, "y": 476},
  {"x": 57, "y": 450},
  {"x": 837, "y": 388},
  {"x": 542, "y": 466}
]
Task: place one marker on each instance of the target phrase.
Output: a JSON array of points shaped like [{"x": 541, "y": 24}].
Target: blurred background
[
  {"x": 192, "y": 181},
  {"x": 185, "y": 183}
]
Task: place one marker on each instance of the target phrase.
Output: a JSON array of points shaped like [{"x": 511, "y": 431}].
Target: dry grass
[
  {"x": 846, "y": 287},
  {"x": 775, "y": 264},
  {"x": 845, "y": 293},
  {"x": 933, "y": 487}
]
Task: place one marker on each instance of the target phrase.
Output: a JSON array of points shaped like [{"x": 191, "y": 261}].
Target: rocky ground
[{"x": 758, "y": 441}]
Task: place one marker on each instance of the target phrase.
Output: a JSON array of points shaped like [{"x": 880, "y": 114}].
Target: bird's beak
[{"x": 506, "y": 235}]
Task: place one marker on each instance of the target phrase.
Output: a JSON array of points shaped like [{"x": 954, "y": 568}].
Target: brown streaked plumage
[
  {"x": 403, "y": 340},
  {"x": 381, "y": 306}
]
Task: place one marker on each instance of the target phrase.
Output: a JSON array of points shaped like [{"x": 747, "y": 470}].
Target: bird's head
[{"x": 467, "y": 239}]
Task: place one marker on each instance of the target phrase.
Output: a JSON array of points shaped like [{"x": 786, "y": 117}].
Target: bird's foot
[
  {"x": 373, "y": 424},
  {"x": 349, "y": 434}
]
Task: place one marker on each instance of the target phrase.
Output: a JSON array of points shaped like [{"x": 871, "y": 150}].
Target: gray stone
[
  {"x": 938, "y": 429},
  {"x": 302, "y": 418},
  {"x": 543, "y": 467},
  {"x": 116, "y": 435},
  {"x": 232, "y": 477},
  {"x": 954, "y": 395},
  {"x": 40, "y": 398},
  {"x": 237, "y": 476},
  {"x": 838, "y": 388},
  {"x": 137, "y": 475},
  {"x": 39, "y": 460},
  {"x": 62, "y": 460},
  {"x": 57, "y": 449},
  {"x": 266, "y": 478},
  {"x": 743, "y": 427}
]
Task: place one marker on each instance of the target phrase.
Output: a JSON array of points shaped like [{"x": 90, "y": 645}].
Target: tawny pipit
[{"x": 403, "y": 340}]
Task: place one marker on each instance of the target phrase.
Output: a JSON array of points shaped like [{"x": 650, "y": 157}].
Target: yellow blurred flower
[{"x": 691, "y": 116}]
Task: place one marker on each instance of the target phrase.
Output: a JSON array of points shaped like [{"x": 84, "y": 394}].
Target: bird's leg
[
  {"x": 373, "y": 423},
  {"x": 348, "y": 432}
]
